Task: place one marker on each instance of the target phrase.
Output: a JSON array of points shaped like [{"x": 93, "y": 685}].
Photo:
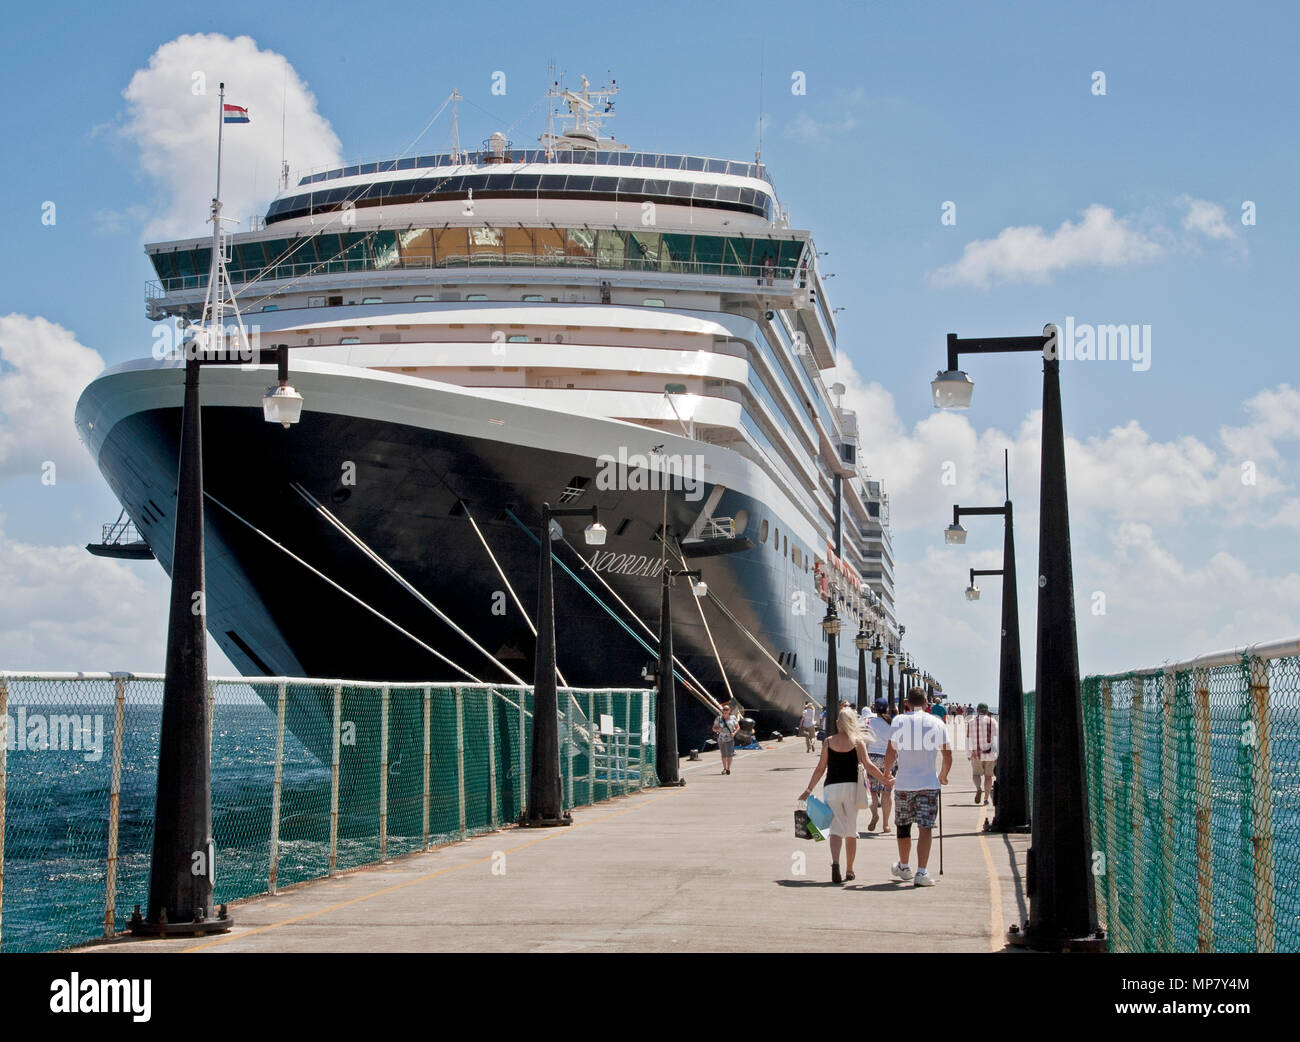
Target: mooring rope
[{"x": 347, "y": 593}]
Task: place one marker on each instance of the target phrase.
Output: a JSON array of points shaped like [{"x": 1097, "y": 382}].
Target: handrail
[
  {"x": 484, "y": 259},
  {"x": 1285, "y": 648}
]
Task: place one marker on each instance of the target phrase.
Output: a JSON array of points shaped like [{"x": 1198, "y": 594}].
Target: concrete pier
[{"x": 713, "y": 866}]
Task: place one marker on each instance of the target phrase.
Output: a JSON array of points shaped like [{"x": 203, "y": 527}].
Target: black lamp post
[
  {"x": 182, "y": 869},
  {"x": 831, "y": 626},
  {"x": 545, "y": 788},
  {"x": 1011, "y": 814},
  {"x": 877, "y": 654},
  {"x": 1063, "y": 899},
  {"x": 666, "y": 738},
  {"x": 890, "y": 659},
  {"x": 863, "y": 642}
]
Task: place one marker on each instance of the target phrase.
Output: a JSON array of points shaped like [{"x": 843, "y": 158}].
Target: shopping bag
[
  {"x": 819, "y": 814},
  {"x": 864, "y": 792}
]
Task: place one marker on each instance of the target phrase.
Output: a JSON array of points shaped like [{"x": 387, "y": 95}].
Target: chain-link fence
[
  {"x": 308, "y": 778},
  {"x": 1193, "y": 772}
]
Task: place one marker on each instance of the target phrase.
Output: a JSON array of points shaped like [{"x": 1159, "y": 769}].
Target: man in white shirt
[
  {"x": 982, "y": 741},
  {"x": 876, "y": 730},
  {"x": 807, "y": 726},
  {"x": 915, "y": 742}
]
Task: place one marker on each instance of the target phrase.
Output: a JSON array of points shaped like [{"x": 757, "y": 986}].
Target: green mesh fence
[
  {"x": 308, "y": 779},
  {"x": 1194, "y": 776}
]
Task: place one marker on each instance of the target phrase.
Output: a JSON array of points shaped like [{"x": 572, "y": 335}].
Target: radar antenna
[{"x": 583, "y": 110}]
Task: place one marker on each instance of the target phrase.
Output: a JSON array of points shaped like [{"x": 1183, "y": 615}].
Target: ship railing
[
  {"x": 310, "y": 777},
  {"x": 1193, "y": 777},
  {"x": 282, "y": 272}
]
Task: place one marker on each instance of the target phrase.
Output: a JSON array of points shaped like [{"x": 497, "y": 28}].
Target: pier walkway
[{"x": 708, "y": 867}]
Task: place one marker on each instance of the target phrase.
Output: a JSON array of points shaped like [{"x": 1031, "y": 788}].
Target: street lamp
[
  {"x": 877, "y": 654},
  {"x": 1063, "y": 905},
  {"x": 863, "y": 642},
  {"x": 890, "y": 659},
  {"x": 545, "y": 789},
  {"x": 1011, "y": 813},
  {"x": 182, "y": 869},
  {"x": 831, "y": 626},
  {"x": 666, "y": 738}
]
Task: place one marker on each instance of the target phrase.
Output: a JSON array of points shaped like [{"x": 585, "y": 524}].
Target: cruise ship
[{"x": 475, "y": 334}]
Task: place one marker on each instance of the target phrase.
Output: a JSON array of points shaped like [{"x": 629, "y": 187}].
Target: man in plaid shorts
[{"x": 915, "y": 742}]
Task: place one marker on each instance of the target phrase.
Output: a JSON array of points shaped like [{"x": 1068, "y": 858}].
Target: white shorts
[{"x": 842, "y": 798}]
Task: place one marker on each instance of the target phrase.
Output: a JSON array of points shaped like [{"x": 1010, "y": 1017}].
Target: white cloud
[
  {"x": 1206, "y": 218},
  {"x": 810, "y": 129},
  {"x": 175, "y": 129},
  {"x": 1029, "y": 254},
  {"x": 66, "y": 610},
  {"x": 1148, "y": 520},
  {"x": 44, "y": 371}
]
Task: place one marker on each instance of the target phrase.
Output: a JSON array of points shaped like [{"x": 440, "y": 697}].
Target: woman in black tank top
[{"x": 841, "y": 754}]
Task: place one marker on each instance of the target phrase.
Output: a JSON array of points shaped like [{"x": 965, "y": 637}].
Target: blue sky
[{"x": 989, "y": 106}]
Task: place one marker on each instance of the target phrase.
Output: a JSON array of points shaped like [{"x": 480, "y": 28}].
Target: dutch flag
[{"x": 234, "y": 114}]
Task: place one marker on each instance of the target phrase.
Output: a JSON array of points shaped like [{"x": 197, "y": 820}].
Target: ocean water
[{"x": 57, "y": 807}]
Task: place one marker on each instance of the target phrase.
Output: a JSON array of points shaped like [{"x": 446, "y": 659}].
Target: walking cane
[{"x": 940, "y": 831}]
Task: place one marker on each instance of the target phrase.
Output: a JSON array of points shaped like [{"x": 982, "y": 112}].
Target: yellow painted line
[
  {"x": 996, "y": 939},
  {"x": 419, "y": 879}
]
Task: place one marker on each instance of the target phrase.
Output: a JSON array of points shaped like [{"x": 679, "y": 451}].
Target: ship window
[
  {"x": 517, "y": 339},
  {"x": 531, "y": 297},
  {"x": 623, "y": 526},
  {"x": 653, "y": 302},
  {"x": 424, "y": 298},
  {"x": 739, "y": 522},
  {"x": 762, "y": 531},
  {"x": 270, "y": 307},
  {"x": 336, "y": 302},
  {"x": 372, "y": 300},
  {"x": 350, "y": 340},
  {"x": 785, "y": 547},
  {"x": 776, "y": 539},
  {"x": 476, "y": 296}
]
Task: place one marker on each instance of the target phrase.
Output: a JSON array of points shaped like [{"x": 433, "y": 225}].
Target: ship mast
[{"x": 212, "y": 332}]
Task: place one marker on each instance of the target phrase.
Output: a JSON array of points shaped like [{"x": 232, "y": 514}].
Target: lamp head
[
  {"x": 282, "y": 405},
  {"x": 972, "y": 592},
  {"x": 700, "y": 588},
  {"x": 595, "y": 534},
  {"x": 862, "y": 640},
  {"x": 954, "y": 533},
  {"x": 831, "y": 625},
  {"x": 952, "y": 390}
]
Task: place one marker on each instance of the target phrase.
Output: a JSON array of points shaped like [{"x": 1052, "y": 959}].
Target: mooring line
[
  {"x": 392, "y": 572},
  {"x": 347, "y": 593},
  {"x": 501, "y": 572}
]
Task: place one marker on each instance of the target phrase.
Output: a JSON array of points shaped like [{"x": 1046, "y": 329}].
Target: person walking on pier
[
  {"x": 841, "y": 754},
  {"x": 808, "y": 725},
  {"x": 916, "y": 739},
  {"x": 982, "y": 741},
  {"x": 876, "y": 729},
  {"x": 725, "y": 728}
]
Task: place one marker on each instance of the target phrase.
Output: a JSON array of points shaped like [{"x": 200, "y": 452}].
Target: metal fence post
[
  {"x": 334, "y": 781},
  {"x": 427, "y": 719},
  {"x": 569, "y": 706},
  {"x": 1168, "y": 798},
  {"x": 1261, "y": 798},
  {"x": 4, "y": 756},
  {"x": 593, "y": 726},
  {"x": 114, "y": 807},
  {"x": 1204, "y": 808},
  {"x": 1108, "y": 798},
  {"x": 460, "y": 756},
  {"x": 212, "y": 716},
  {"x": 277, "y": 786},
  {"x": 383, "y": 773},
  {"x": 1137, "y": 804},
  {"x": 493, "y": 817},
  {"x": 627, "y": 742},
  {"x": 524, "y": 772}
]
